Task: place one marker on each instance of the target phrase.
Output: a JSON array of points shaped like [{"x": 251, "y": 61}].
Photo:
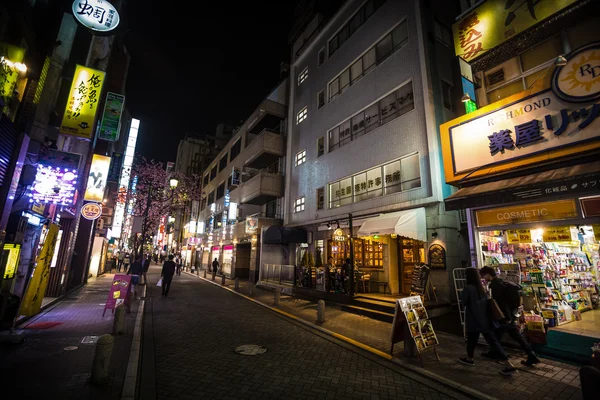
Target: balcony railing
[{"x": 278, "y": 274}]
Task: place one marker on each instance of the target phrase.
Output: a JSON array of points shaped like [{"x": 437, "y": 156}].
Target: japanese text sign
[
  {"x": 97, "y": 178},
  {"x": 32, "y": 301},
  {"x": 99, "y": 16},
  {"x": 496, "y": 21},
  {"x": 518, "y": 236},
  {"x": 12, "y": 75},
  {"x": 111, "y": 117},
  {"x": 82, "y": 103},
  {"x": 557, "y": 234},
  {"x": 11, "y": 259},
  {"x": 549, "y": 211},
  {"x": 518, "y": 132},
  {"x": 119, "y": 292}
]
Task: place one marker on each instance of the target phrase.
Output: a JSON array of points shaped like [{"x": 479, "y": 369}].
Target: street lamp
[{"x": 173, "y": 183}]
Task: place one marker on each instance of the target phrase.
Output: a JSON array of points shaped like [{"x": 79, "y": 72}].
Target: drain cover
[
  {"x": 89, "y": 339},
  {"x": 250, "y": 350},
  {"x": 70, "y": 348}
]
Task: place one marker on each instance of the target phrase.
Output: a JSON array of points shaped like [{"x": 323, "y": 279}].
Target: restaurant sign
[
  {"x": 338, "y": 235},
  {"x": 99, "y": 16}
]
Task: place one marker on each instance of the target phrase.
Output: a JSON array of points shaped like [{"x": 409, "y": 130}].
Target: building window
[
  {"x": 221, "y": 190},
  {"x": 320, "y": 146},
  {"x": 357, "y": 20},
  {"x": 213, "y": 173},
  {"x": 392, "y": 106},
  {"x": 320, "y": 198},
  {"x": 211, "y": 197},
  {"x": 390, "y": 43},
  {"x": 447, "y": 95},
  {"x": 302, "y": 115},
  {"x": 303, "y": 76},
  {"x": 321, "y": 57},
  {"x": 320, "y": 99},
  {"x": 443, "y": 34},
  {"x": 300, "y": 158},
  {"x": 299, "y": 204},
  {"x": 235, "y": 150},
  {"x": 393, "y": 177},
  {"x": 205, "y": 180},
  {"x": 223, "y": 163},
  {"x": 523, "y": 71}
]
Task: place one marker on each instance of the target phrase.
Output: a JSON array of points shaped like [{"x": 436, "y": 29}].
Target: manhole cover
[
  {"x": 250, "y": 350},
  {"x": 89, "y": 339},
  {"x": 70, "y": 348}
]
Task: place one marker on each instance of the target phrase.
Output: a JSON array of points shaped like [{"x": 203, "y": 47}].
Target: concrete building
[
  {"x": 242, "y": 190},
  {"x": 368, "y": 88}
]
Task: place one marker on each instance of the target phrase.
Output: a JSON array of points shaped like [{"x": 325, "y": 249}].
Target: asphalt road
[{"x": 188, "y": 353}]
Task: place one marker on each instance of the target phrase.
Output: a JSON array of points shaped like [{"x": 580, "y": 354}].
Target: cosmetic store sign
[{"x": 535, "y": 212}]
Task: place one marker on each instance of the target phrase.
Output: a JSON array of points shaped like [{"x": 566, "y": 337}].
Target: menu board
[
  {"x": 119, "y": 292},
  {"x": 420, "y": 276},
  {"x": 419, "y": 324}
]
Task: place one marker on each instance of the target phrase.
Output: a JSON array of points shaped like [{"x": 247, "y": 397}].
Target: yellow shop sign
[
  {"x": 82, "y": 104},
  {"x": 518, "y": 236},
  {"x": 557, "y": 234},
  {"x": 549, "y": 211}
]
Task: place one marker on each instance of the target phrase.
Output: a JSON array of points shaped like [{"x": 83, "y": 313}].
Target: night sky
[{"x": 199, "y": 63}]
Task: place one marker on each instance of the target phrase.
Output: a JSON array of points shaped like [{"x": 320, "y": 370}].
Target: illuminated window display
[{"x": 54, "y": 185}]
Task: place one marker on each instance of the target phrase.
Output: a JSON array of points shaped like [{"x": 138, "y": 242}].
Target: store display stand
[{"x": 412, "y": 325}]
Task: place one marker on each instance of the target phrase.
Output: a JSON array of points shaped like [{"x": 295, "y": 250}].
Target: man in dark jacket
[
  {"x": 146, "y": 267},
  {"x": 168, "y": 270},
  {"x": 136, "y": 270},
  {"x": 499, "y": 292}
]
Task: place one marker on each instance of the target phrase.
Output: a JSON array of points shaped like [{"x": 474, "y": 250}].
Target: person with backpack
[
  {"x": 508, "y": 298},
  {"x": 478, "y": 321}
]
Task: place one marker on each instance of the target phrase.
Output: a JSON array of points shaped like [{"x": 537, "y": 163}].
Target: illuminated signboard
[
  {"x": 495, "y": 21},
  {"x": 54, "y": 185},
  {"x": 13, "y": 74},
  {"x": 125, "y": 177},
  {"x": 91, "y": 211},
  {"x": 111, "y": 118},
  {"x": 97, "y": 178},
  {"x": 99, "y": 16},
  {"x": 80, "y": 111},
  {"x": 11, "y": 255}
]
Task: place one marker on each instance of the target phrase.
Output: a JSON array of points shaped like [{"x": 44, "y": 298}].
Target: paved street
[
  {"x": 53, "y": 362},
  {"x": 196, "y": 328}
]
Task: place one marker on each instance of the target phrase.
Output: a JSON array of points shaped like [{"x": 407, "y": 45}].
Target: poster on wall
[{"x": 251, "y": 224}]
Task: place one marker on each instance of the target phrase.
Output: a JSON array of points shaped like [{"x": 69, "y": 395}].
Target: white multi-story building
[{"x": 368, "y": 90}]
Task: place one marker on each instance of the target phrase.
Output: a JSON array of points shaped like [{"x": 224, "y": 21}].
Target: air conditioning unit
[{"x": 462, "y": 216}]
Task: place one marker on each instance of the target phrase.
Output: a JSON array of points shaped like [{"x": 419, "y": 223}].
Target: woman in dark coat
[{"x": 479, "y": 321}]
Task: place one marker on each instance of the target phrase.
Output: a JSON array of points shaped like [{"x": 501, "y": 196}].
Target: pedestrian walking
[
  {"x": 168, "y": 270},
  {"x": 478, "y": 321},
  {"x": 121, "y": 259},
  {"x": 126, "y": 262},
  {"x": 136, "y": 271},
  {"x": 215, "y": 267},
  {"x": 178, "y": 266},
  {"x": 145, "y": 268},
  {"x": 507, "y": 296}
]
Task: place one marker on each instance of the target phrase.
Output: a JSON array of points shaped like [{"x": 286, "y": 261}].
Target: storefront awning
[
  {"x": 409, "y": 223},
  {"x": 576, "y": 180},
  {"x": 283, "y": 235}
]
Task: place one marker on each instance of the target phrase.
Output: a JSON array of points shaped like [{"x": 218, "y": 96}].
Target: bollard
[
  {"x": 223, "y": 279},
  {"x": 214, "y": 274},
  {"x": 102, "y": 354},
  {"x": 321, "y": 311},
  {"x": 204, "y": 274},
  {"x": 277, "y": 300},
  {"x": 237, "y": 283},
  {"x": 251, "y": 289},
  {"x": 119, "y": 321}
]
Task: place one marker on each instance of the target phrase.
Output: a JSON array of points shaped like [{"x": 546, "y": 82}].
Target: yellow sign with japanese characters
[
  {"x": 557, "y": 234},
  {"x": 82, "y": 104},
  {"x": 496, "y": 21},
  {"x": 518, "y": 236}
]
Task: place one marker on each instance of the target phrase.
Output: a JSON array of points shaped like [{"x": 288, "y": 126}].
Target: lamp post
[{"x": 173, "y": 185}]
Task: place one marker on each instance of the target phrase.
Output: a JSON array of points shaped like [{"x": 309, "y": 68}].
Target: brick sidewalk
[
  {"x": 41, "y": 366},
  {"x": 549, "y": 380}
]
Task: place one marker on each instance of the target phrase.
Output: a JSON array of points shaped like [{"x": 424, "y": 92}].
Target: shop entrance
[
  {"x": 410, "y": 251},
  {"x": 242, "y": 260}
]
